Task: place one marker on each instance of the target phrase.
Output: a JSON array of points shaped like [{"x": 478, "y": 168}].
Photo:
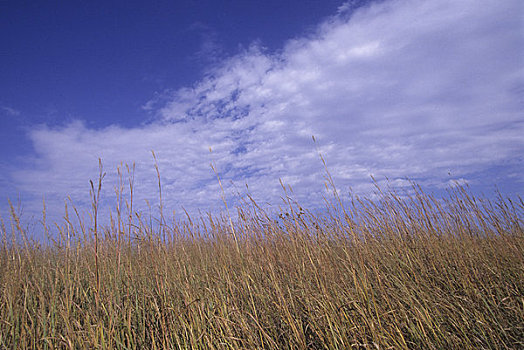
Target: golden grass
[{"x": 397, "y": 272}]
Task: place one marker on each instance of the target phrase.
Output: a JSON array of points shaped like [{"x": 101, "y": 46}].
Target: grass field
[{"x": 395, "y": 272}]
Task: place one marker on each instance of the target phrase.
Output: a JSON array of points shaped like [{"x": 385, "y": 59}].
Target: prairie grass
[{"x": 403, "y": 271}]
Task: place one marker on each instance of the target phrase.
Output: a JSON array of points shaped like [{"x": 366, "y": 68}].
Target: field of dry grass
[{"x": 395, "y": 272}]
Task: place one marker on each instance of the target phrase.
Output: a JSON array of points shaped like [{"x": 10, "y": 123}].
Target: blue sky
[
  {"x": 430, "y": 90},
  {"x": 102, "y": 61}
]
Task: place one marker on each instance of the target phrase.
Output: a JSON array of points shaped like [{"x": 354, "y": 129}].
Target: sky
[{"x": 424, "y": 90}]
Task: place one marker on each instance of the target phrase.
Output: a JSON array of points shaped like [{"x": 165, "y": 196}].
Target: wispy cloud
[
  {"x": 10, "y": 111},
  {"x": 210, "y": 50},
  {"x": 397, "y": 88}
]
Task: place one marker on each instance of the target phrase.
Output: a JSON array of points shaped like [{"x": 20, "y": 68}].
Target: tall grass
[{"x": 403, "y": 271}]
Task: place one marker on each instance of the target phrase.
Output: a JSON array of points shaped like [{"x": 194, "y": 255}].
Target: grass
[{"x": 395, "y": 272}]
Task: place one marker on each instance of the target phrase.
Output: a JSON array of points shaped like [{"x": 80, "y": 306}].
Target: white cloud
[{"x": 400, "y": 89}]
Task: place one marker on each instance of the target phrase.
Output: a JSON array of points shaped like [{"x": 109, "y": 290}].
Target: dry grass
[{"x": 393, "y": 273}]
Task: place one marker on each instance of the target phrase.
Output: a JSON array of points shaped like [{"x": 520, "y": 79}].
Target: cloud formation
[{"x": 397, "y": 88}]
